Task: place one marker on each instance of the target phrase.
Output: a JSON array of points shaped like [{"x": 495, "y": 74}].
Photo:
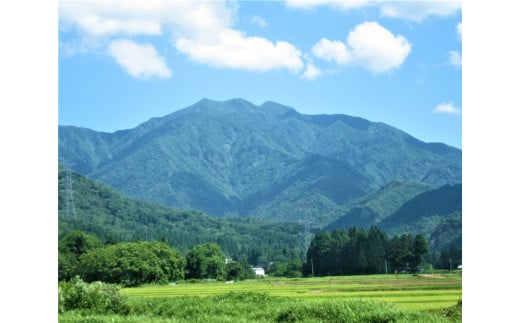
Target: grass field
[{"x": 421, "y": 292}]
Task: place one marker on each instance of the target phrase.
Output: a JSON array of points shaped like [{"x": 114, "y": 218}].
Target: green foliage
[
  {"x": 70, "y": 248},
  {"x": 241, "y": 270},
  {"x": 97, "y": 297},
  {"x": 133, "y": 263},
  {"x": 346, "y": 253},
  {"x": 112, "y": 217},
  {"x": 289, "y": 269},
  {"x": 351, "y": 311},
  {"x": 205, "y": 261},
  {"x": 448, "y": 233},
  {"x": 453, "y": 312},
  {"x": 405, "y": 253}
]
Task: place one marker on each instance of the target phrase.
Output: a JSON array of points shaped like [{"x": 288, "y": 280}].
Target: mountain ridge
[{"x": 218, "y": 156}]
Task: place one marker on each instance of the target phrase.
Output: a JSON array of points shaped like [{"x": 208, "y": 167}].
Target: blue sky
[{"x": 122, "y": 63}]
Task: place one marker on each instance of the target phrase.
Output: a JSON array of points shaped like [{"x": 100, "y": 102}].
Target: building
[{"x": 259, "y": 271}]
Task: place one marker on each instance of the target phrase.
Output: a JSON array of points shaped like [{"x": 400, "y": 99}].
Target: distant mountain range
[{"x": 236, "y": 159}]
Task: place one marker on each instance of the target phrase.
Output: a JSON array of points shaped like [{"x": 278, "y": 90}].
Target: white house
[{"x": 259, "y": 271}]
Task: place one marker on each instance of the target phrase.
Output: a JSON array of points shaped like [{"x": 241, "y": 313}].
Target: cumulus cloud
[
  {"x": 455, "y": 58},
  {"x": 202, "y": 30},
  {"x": 448, "y": 108},
  {"x": 376, "y": 48},
  {"x": 406, "y": 10},
  {"x": 311, "y": 72},
  {"x": 369, "y": 45},
  {"x": 139, "y": 60},
  {"x": 332, "y": 51},
  {"x": 233, "y": 49}
]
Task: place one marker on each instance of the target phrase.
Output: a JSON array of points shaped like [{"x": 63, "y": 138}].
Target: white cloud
[
  {"x": 369, "y": 45},
  {"x": 448, "y": 108},
  {"x": 455, "y": 58},
  {"x": 202, "y": 30},
  {"x": 340, "y": 4},
  {"x": 331, "y": 51},
  {"x": 140, "y": 61},
  {"x": 376, "y": 48},
  {"x": 459, "y": 30},
  {"x": 419, "y": 10},
  {"x": 233, "y": 49},
  {"x": 100, "y": 26},
  {"x": 311, "y": 72},
  {"x": 259, "y": 21},
  {"x": 407, "y": 10}
]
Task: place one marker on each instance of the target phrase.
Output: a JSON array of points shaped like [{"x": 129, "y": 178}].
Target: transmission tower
[{"x": 70, "y": 210}]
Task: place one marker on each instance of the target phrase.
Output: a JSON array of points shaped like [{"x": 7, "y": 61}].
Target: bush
[
  {"x": 355, "y": 310},
  {"x": 98, "y": 297}
]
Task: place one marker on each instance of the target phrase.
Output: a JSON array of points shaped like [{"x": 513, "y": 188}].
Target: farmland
[
  {"x": 370, "y": 298},
  {"x": 421, "y": 292}
]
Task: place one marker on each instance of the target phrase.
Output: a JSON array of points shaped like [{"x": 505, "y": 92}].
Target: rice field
[{"x": 411, "y": 292}]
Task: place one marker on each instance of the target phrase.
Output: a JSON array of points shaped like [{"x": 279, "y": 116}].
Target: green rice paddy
[{"x": 413, "y": 292}]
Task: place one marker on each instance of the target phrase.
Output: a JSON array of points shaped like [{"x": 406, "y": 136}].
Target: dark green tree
[
  {"x": 206, "y": 261},
  {"x": 70, "y": 248},
  {"x": 133, "y": 263},
  {"x": 419, "y": 249},
  {"x": 376, "y": 253},
  {"x": 239, "y": 270}
]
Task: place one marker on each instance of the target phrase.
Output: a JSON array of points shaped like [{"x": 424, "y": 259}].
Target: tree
[
  {"x": 133, "y": 263},
  {"x": 319, "y": 254},
  {"x": 78, "y": 242},
  {"x": 239, "y": 270},
  {"x": 377, "y": 244},
  {"x": 419, "y": 249},
  {"x": 405, "y": 252},
  {"x": 70, "y": 248},
  {"x": 205, "y": 261}
]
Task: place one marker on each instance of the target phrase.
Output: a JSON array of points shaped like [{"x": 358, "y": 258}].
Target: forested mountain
[
  {"x": 234, "y": 158},
  {"x": 436, "y": 213},
  {"x": 374, "y": 207},
  {"x": 409, "y": 207},
  {"x": 97, "y": 209}
]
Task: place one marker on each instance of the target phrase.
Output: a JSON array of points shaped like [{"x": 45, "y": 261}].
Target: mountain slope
[
  {"x": 436, "y": 213},
  {"x": 233, "y": 158},
  {"x": 375, "y": 207},
  {"x": 110, "y": 215}
]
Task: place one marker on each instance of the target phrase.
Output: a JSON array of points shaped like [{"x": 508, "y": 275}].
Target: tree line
[
  {"x": 139, "y": 262},
  {"x": 358, "y": 251},
  {"x": 340, "y": 252}
]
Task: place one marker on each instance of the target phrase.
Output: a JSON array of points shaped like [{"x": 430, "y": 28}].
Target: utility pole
[
  {"x": 386, "y": 267},
  {"x": 312, "y": 267}
]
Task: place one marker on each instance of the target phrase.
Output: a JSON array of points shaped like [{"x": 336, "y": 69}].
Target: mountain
[
  {"x": 437, "y": 214},
  {"x": 96, "y": 208},
  {"x": 376, "y": 206},
  {"x": 237, "y": 159}
]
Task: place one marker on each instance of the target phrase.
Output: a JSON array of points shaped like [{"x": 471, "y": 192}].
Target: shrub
[{"x": 98, "y": 297}]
